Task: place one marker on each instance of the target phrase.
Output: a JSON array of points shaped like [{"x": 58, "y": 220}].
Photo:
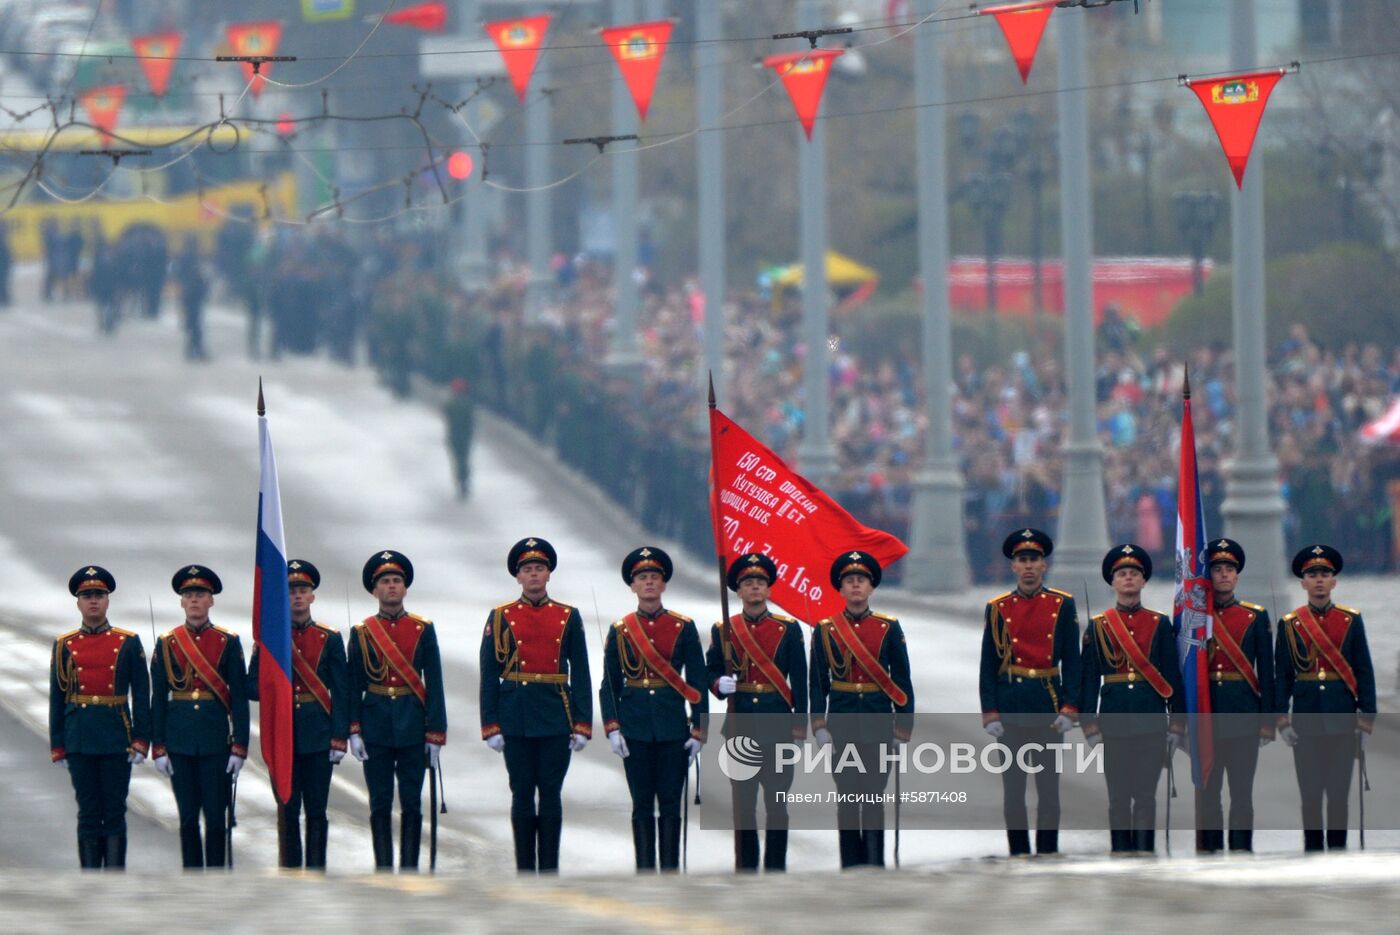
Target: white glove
[
  {"x": 63, "y": 762},
  {"x": 618, "y": 743},
  {"x": 693, "y": 747},
  {"x": 577, "y": 742},
  {"x": 164, "y": 766},
  {"x": 357, "y": 747},
  {"x": 1063, "y": 723},
  {"x": 235, "y": 766},
  {"x": 336, "y": 756},
  {"x": 1288, "y": 735},
  {"x": 1174, "y": 743},
  {"x": 1094, "y": 739},
  {"x": 496, "y": 742},
  {"x": 822, "y": 736},
  {"x": 1361, "y": 736},
  {"x": 728, "y": 684},
  {"x": 994, "y": 729},
  {"x": 1264, "y": 742},
  {"x": 434, "y": 751},
  {"x": 136, "y": 757}
]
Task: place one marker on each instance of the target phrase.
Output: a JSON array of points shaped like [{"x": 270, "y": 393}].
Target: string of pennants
[{"x": 1234, "y": 104}]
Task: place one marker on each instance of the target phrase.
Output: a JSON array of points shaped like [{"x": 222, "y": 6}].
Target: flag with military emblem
[
  {"x": 804, "y": 75},
  {"x": 639, "y": 50},
  {"x": 1191, "y": 610},
  {"x": 1235, "y": 106},
  {"x": 520, "y": 42},
  {"x": 156, "y": 53}
]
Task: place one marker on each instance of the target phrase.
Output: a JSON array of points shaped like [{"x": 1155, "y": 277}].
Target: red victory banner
[
  {"x": 429, "y": 17},
  {"x": 103, "y": 105},
  {"x": 1235, "y": 106},
  {"x": 804, "y": 75},
  {"x": 1022, "y": 24},
  {"x": 759, "y": 504},
  {"x": 258, "y": 38},
  {"x": 156, "y": 53},
  {"x": 639, "y": 49},
  {"x": 520, "y": 42}
]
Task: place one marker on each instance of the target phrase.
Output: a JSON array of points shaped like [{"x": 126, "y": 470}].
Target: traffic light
[
  {"x": 459, "y": 165},
  {"x": 285, "y": 124}
]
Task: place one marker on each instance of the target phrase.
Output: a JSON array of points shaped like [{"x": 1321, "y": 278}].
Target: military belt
[
  {"x": 859, "y": 688},
  {"x": 648, "y": 683},
  {"x": 389, "y": 691},
  {"x": 548, "y": 678},
  {"x": 1317, "y": 677},
  {"x": 1029, "y": 673},
  {"x": 1124, "y": 677},
  {"x": 1219, "y": 676},
  {"x": 305, "y": 697},
  {"x": 756, "y": 688},
  {"x": 110, "y": 700},
  {"x": 196, "y": 695}
]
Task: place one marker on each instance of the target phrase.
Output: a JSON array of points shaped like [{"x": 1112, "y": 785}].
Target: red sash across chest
[
  {"x": 871, "y": 631},
  {"x": 404, "y": 632},
  {"x": 309, "y": 642},
  {"x": 663, "y": 631},
  {"x": 1030, "y": 625},
  {"x": 94, "y": 660},
  {"x": 1227, "y": 649},
  {"x": 538, "y": 633},
  {"x": 198, "y": 654}
]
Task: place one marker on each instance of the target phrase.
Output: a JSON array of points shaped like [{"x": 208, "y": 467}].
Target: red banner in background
[
  {"x": 156, "y": 53},
  {"x": 259, "y": 38},
  {"x": 1023, "y": 25},
  {"x": 759, "y": 504},
  {"x": 519, "y": 41},
  {"x": 103, "y": 106},
  {"x": 429, "y": 17},
  {"x": 639, "y": 50},
  {"x": 804, "y": 75},
  {"x": 1235, "y": 106}
]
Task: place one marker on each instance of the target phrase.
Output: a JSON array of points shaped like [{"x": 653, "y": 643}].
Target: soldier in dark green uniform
[
  {"x": 862, "y": 697},
  {"x": 1240, "y": 660},
  {"x": 199, "y": 713},
  {"x": 1132, "y": 678},
  {"x": 757, "y": 664},
  {"x": 398, "y": 712},
  {"x": 536, "y": 701},
  {"x": 99, "y": 717},
  {"x": 1029, "y": 685},
  {"x": 320, "y": 718},
  {"x": 1326, "y": 695},
  {"x": 652, "y": 666}
]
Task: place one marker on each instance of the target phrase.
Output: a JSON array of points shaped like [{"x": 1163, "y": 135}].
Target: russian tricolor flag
[
  {"x": 1191, "y": 611},
  {"x": 272, "y": 622}
]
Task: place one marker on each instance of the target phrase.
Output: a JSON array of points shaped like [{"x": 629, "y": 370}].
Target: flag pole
[{"x": 714, "y": 513}]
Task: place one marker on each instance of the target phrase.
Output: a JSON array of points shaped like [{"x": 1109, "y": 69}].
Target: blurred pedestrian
[
  {"x": 460, "y": 414},
  {"x": 194, "y": 288}
]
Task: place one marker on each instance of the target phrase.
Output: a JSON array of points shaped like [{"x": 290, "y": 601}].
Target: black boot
[
  {"x": 1047, "y": 842},
  {"x": 1145, "y": 842},
  {"x": 668, "y": 841},
  {"x": 191, "y": 847},
  {"x": 1242, "y": 840},
  {"x": 852, "y": 849},
  {"x": 524, "y": 831},
  {"x": 874, "y": 848},
  {"x": 745, "y": 851},
  {"x": 381, "y": 829},
  {"x": 644, "y": 843},
  {"x": 1336, "y": 839},
  {"x": 114, "y": 857},
  {"x": 551, "y": 829},
  {"x": 775, "y": 850},
  {"x": 1018, "y": 843},
  {"x": 410, "y": 837},
  {"x": 291, "y": 840},
  {"x": 1120, "y": 842},
  {"x": 317, "y": 830},
  {"x": 1312, "y": 841},
  {"x": 215, "y": 841},
  {"x": 90, "y": 853}
]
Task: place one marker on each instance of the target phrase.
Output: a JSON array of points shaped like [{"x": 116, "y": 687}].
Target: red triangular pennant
[
  {"x": 429, "y": 17},
  {"x": 103, "y": 105},
  {"x": 639, "y": 49},
  {"x": 1022, "y": 24},
  {"x": 157, "y": 53},
  {"x": 520, "y": 42},
  {"x": 804, "y": 76},
  {"x": 1235, "y": 106},
  {"x": 260, "y": 38}
]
